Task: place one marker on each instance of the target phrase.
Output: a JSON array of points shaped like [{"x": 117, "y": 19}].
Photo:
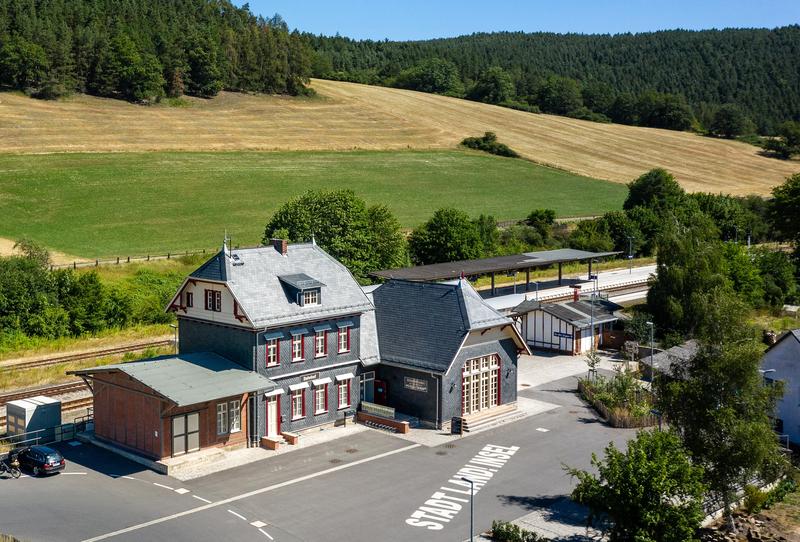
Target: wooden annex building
[{"x": 171, "y": 405}]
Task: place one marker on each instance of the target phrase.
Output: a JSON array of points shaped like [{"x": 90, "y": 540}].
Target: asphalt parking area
[{"x": 364, "y": 487}]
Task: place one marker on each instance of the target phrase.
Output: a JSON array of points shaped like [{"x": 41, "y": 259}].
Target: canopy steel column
[
  {"x": 492, "y": 283},
  {"x": 559, "y": 273},
  {"x": 527, "y": 278},
  {"x": 590, "y": 269}
]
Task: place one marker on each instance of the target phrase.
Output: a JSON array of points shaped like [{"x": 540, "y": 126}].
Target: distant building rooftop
[{"x": 516, "y": 262}]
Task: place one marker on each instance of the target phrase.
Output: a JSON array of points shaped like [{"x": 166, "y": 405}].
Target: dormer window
[
  {"x": 305, "y": 290},
  {"x": 310, "y": 297}
]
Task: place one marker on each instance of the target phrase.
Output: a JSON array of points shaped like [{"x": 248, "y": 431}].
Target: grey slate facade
[
  {"x": 267, "y": 286},
  {"x": 427, "y": 332}
]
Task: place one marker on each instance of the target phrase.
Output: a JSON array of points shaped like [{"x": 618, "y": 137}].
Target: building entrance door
[
  {"x": 273, "y": 413},
  {"x": 368, "y": 387},
  {"x": 480, "y": 387},
  {"x": 185, "y": 433}
]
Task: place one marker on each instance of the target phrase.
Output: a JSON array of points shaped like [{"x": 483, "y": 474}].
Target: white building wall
[
  {"x": 785, "y": 359},
  {"x": 545, "y": 331},
  {"x": 198, "y": 310}
]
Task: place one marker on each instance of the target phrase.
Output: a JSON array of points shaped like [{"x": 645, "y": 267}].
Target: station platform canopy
[{"x": 490, "y": 266}]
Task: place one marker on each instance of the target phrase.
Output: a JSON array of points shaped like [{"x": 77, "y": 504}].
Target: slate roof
[
  {"x": 791, "y": 333},
  {"x": 527, "y": 260},
  {"x": 423, "y": 325},
  {"x": 256, "y": 278},
  {"x": 577, "y": 313},
  {"x": 188, "y": 379},
  {"x": 664, "y": 361}
]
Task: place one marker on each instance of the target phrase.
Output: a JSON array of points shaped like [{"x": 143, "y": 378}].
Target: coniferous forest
[
  {"x": 142, "y": 50},
  {"x": 671, "y": 79}
]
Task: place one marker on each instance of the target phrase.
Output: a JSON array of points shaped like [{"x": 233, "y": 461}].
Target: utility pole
[{"x": 630, "y": 254}]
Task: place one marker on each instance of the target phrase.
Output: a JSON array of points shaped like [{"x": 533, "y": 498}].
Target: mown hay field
[
  {"x": 348, "y": 116},
  {"x": 118, "y": 204}
]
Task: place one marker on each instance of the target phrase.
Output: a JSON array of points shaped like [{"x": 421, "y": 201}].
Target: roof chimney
[{"x": 281, "y": 245}]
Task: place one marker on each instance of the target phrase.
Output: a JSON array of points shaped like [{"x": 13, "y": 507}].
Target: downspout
[{"x": 438, "y": 383}]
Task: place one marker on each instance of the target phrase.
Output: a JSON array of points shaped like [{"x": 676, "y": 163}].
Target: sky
[{"x": 423, "y": 19}]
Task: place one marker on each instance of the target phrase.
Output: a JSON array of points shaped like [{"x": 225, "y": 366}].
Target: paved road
[{"x": 362, "y": 489}]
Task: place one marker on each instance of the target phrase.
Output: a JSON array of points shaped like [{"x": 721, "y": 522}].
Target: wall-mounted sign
[
  {"x": 416, "y": 384},
  {"x": 309, "y": 377},
  {"x": 562, "y": 334}
]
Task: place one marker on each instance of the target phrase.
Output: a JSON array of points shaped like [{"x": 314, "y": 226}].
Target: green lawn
[{"x": 108, "y": 204}]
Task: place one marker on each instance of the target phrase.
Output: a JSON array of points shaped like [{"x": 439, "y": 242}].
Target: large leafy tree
[
  {"x": 656, "y": 189},
  {"x": 23, "y": 64},
  {"x": 730, "y": 121},
  {"x": 690, "y": 267},
  {"x": 559, "y": 95},
  {"x": 652, "y": 492},
  {"x": 785, "y": 209},
  {"x": 718, "y": 403},
  {"x": 363, "y": 239},
  {"x": 434, "y": 75},
  {"x": 493, "y": 86},
  {"x": 449, "y": 235}
]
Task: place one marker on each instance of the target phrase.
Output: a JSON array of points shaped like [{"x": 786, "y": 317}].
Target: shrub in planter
[{"x": 508, "y": 532}]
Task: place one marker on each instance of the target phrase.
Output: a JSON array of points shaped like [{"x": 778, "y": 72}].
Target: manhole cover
[
  {"x": 526, "y": 385},
  {"x": 351, "y": 450},
  {"x": 450, "y": 445},
  {"x": 441, "y": 452},
  {"x": 335, "y": 460}
]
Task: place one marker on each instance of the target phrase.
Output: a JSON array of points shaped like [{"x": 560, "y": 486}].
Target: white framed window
[
  {"x": 480, "y": 384},
  {"x": 320, "y": 344},
  {"x": 310, "y": 297},
  {"x": 297, "y": 348},
  {"x": 235, "y": 416},
  {"x": 344, "y": 393},
  {"x": 321, "y": 399},
  {"x": 298, "y": 404},
  {"x": 222, "y": 418},
  {"x": 273, "y": 352},
  {"x": 344, "y": 339},
  {"x": 213, "y": 300},
  {"x": 189, "y": 299}
]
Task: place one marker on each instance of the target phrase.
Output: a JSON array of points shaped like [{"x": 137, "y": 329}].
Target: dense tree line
[
  {"x": 142, "y": 50},
  {"x": 654, "y": 79}
]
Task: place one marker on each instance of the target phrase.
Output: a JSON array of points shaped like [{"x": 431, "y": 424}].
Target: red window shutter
[
  {"x": 326, "y": 398},
  {"x": 278, "y": 350},
  {"x": 348, "y": 340},
  {"x": 279, "y": 414},
  {"x": 303, "y": 348},
  {"x": 348, "y": 387},
  {"x": 325, "y": 350},
  {"x": 303, "y": 402}
]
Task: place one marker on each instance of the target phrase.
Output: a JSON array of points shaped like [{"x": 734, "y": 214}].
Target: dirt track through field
[{"x": 348, "y": 116}]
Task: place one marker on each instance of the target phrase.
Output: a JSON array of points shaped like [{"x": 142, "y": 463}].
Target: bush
[
  {"x": 779, "y": 492},
  {"x": 488, "y": 143},
  {"x": 503, "y": 531},
  {"x": 754, "y": 499}
]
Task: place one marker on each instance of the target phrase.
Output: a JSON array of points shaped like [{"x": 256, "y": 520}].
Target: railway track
[
  {"x": 59, "y": 389},
  {"x": 93, "y": 354}
]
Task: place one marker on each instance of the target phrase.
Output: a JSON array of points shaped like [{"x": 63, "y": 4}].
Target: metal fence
[{"x": 50, "y": 435}]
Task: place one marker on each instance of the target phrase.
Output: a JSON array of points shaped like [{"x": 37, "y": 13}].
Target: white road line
[
  {"x": 68, "y": 473},
  {"x": 162, "y": 485},
  {"x": 181, "y": 491},
  {"x": 130, "y": 478},
  {"x": 248, "y": 494},
  {"x": 238, "y": 515},
  {"x": 201, "y": 499},
  {"x": 258, "y": 524},
  {"x": 542, "y": 429},
  {"x": 265, "y": 533}
]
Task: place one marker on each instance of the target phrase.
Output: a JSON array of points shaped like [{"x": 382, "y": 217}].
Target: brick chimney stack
[{"x": 281, "y": 245}]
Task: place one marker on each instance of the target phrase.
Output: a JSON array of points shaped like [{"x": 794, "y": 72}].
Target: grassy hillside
[
  {"x": 348, "y": 116},
  {"x": 118, "y": 204}
]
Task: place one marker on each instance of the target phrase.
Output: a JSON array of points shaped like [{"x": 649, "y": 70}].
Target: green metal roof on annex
[{"x": 189, "y": 379}]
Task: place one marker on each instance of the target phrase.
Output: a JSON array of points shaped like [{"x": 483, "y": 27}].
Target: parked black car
[{"x": 41, "y": 460}]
